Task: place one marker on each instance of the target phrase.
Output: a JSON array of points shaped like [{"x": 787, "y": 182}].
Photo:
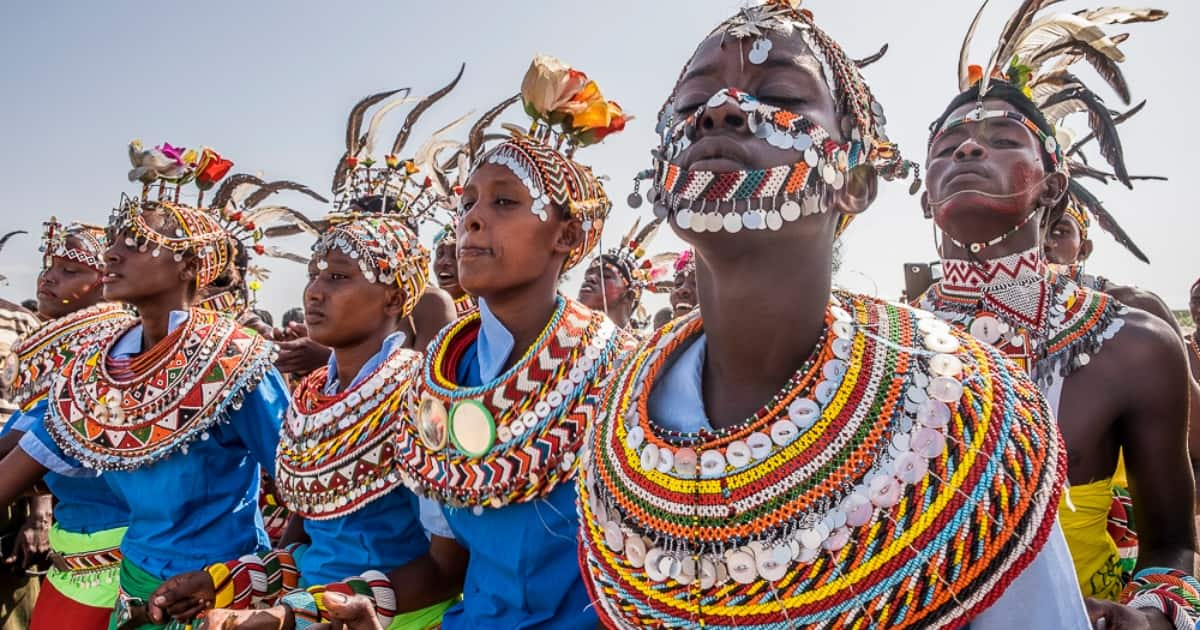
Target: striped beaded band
[
  {"x": 515, "y": 438},
  {"x": 1048, "y": 143},
  {"x": 196, "y": 232},
  {"x": 903, "y": 479}
]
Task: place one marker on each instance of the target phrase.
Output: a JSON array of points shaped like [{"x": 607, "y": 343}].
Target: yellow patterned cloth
[{"x": 1083, "y": 514}]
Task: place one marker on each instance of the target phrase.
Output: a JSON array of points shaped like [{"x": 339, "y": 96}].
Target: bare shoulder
[
  {"x": 1147, "y": 301},
  {"x": 434, "y": 310},
  {"x": 1149, "y": 351}
]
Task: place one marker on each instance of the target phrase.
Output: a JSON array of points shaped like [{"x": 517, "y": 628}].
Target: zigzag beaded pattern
[
  {"x": 337, "y": 453},
  {"x": 211, "y": 366},
  {"x": 42, "y": 353},
  {"x": 568, "y": 359},
  {"x": 945, "y": 550}
]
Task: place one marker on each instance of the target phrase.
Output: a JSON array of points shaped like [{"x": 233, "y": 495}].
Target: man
[
  {"x": 615, "y": 280},
  {"x": 1114, "y": 377}
]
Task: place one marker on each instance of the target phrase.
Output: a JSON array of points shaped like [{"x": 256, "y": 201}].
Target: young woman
[
  {"x": 336, "y": 464},
  {"x": 88, "y": 521},
  {"x": 792, "y": 456},
  {"x": 508, "y": 392},
  {"x": 178, "y": 408}
]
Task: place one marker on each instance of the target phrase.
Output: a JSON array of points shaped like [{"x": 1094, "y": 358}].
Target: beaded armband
[
  {"x": 308, "y": 606},
  {"x": 254, "y": 579},
  {"x": 1172, "y": 591}
]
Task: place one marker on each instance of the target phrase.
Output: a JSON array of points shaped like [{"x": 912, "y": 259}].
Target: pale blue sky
[{"x": 269, "y": 84}]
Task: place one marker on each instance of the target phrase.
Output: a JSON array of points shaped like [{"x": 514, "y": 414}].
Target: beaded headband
[
  {"x": 91, "y": 239},
  {"x": 1048, "y": 143},
  {"x": 413, "y": 187},
  {"x": 386, "y": 251},
  {"x": 568, "y": 112},
  {"x": 787, "y": 192},
  {"x": 1081, "y": 219}
]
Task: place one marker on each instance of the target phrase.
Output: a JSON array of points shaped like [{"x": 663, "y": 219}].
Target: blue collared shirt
[
  {"x": 383, "y": 535},
  {"x": 86, "y": 504},
  {"x": 524, "y": 568},
  {"x": 189, "y": 510},
  {"x": 1045, "y": 595}
]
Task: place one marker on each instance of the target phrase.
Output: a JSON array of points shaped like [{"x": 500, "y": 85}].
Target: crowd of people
[{"x": 444, "y": 439}]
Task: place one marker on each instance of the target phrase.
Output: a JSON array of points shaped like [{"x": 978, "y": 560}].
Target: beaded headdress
[
  {"x": 686, "y": 263},
  {"x": 386, "y": 251},
  {"x": 1034, "y": 56},
  {"x": 91, "y": 243},
  {"x": 164, "y": 171},
  {"x": 413, "y": 186},
  {"x": 767, "y": 198},
  {"x": 568, "y": 112},
  {"x": 629, "y": 259}
]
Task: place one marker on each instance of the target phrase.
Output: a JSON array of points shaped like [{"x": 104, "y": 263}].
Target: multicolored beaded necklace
[
  {"x": 42, "y": 353},
  {"x": 121, "y": 415},
  {"x": 513, "y": 439},
  {"x": 337, "y": 453},
  {"x": 902, "y": 478},
  {"x": 464, "y": 306},
  {"x": 1048, "y": 324}
]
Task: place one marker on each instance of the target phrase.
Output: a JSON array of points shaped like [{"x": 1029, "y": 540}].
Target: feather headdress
[
  {"x": 1035, "y": 54},
  {"x": 413, "y": 185}
]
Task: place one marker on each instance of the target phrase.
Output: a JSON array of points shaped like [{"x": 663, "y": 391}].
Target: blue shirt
[
  {"x": 524, "y": 567},
  {"x": 191, "y": 509},
  {"x": 383, "y": 535},
  {"x": 86, "y": 504},
  {"x": 1045, "y": 595}
]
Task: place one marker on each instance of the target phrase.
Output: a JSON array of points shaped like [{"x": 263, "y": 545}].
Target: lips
[
  {"x": 474, "y": 252},
  {"x": 967, "y": 170},
  {"x": 47, "y": 294},
  {"x": 110, "y": 277},
  {"x": 313, "y": 318},
  {"x": 715, "y": 153}
]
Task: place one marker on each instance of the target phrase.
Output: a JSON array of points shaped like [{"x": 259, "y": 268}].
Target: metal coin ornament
[
  {"x": 634, "y": 200},
  {"x": 472, "y": 428},
  {"x": 759, "y": 51},
  {"x": 432, "y": 421}
]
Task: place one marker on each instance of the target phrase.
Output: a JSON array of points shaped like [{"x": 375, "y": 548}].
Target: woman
[
  {"x": 510, "y": 390},
  {"x": 614, "y": 282},
  {"x": 361, "y": 520},
  {"x": 206, "y": 400},
  {"x": 792, "y": 456},
  {"x": 81, "y": 585}
]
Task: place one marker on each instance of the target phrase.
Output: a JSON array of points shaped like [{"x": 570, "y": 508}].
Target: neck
[
  {"x": 764, "y": 311},
  {"x": 1018, "y": 259},
  {"x": 620, "y": 314},
  {"x": 524, "y": 311},
  {"x": 352, "y": 358},
  {"x": 156, "y": 316}
]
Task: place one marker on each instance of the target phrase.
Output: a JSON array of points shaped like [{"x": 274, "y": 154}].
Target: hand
[
  {"x": 182, "y": 597},
  {"x": 301, "y": 355},
  {"x": 251, "y": 320},
  {"x": 349, "y": 613},
  {"x": 277, "y": 618},
  {"x": 33, "y": 539},
  {"x": 1106, "y": 615}
]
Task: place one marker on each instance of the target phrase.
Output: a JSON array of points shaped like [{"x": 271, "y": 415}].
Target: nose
[
  {"x": 969, "y": 149},
  {"x": 724, "y": 118},
  {"x": 111, "y": 255}
]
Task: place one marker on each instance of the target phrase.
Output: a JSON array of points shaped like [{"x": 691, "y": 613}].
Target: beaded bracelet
[
  {"x": 308, "y": 606},
  {"x": 253, "y": 579},
  {"x": 1171, "y": 591}
]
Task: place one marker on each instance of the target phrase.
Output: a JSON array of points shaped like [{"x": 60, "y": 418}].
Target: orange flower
[
  {"x": 974, "y": 74},
  {"x": 616, "y": 122}
]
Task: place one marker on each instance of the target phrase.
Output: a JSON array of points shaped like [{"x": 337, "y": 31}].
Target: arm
[
  {"x": 258, "y": 421},
  {"x": 1153, "y": 429},
  {"x": 18, "y": 473},
  {"x": 33, "y": 539},
  {"x": 432, "y": 578}
]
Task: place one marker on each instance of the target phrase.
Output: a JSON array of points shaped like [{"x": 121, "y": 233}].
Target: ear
[
  {"x": 1054, "y": 190},
  {"x": 862, "y": 186},
  {"x": 393, "y": 303},
  {"x": 1085, "y": 249},
  {"x": 926, "y": 209},
  {"x": 569, "y": 237},
  {"x": 189, "y": 269}
]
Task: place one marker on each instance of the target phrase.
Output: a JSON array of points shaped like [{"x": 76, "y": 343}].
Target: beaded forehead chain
[{"x": 90, "y": 238}]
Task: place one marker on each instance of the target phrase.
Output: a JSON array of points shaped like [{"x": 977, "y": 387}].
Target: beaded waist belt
[{"x": 86, "y": 561}]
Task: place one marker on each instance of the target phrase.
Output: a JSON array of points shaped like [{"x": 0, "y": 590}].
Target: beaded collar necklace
[
  {"x": 515, "y": 438},
  {"x": 122, "y": 415},
  {"x": 840, "y": 497},
  {"x": 43, "y": 352},
  {"x": 336, "y": 453},
  {"x": 1042, "y": 320},
  {"x": 464, "y": 306}
]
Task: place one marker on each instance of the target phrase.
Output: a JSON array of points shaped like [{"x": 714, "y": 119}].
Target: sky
[{"x": 269, "y": 85}]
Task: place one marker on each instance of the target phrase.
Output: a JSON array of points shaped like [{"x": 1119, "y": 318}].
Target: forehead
[
  {"x": 989, "y": 104},
  {"x": 488, "y": 174},
  {"x": 722, "y": 56}
]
